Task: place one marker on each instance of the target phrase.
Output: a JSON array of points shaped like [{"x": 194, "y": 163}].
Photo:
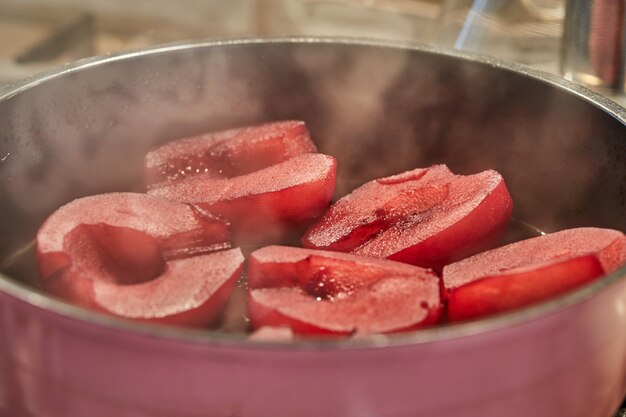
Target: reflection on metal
[
  {"x": 594, "y": 43},
  {"x": 527, "y": 31}
]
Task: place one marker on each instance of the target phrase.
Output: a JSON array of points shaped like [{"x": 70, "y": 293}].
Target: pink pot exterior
[{"x": 571, "y": 363}]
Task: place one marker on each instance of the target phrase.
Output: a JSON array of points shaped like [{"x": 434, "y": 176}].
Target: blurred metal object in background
[
  {"x": 527, "y": 31},
  {"x": 594, "y": 47}
]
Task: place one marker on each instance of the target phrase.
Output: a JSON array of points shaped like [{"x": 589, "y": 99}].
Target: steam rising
[{"x": 379, "y": 110}]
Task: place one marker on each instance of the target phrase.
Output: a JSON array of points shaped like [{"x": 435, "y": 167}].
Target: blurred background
[{"x": 38, "y": 34}]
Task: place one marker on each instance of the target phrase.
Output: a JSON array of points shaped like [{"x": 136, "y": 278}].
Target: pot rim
[{"x": 39, "y": 300}]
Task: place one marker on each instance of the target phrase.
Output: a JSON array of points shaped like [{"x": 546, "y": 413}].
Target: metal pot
[{"x": 380, "y": 108}]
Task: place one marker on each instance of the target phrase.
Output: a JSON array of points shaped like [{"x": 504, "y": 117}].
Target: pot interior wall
[{"x": 379, "y": 110}]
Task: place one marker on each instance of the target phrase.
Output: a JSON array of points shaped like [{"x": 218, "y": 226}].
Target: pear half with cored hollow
[
  {"x": 317, "y": 292},
  {"x": 228, "y": 153},
  {"x": 532, "y": 270},
  {"x": 427, "y": 217},
  {"x": 138, "y": 257},
  {"x": 265, "y": 204}
]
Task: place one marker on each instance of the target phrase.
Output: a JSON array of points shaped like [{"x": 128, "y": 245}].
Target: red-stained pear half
[
  {"x": 426, "y": 217},
  {"x": 228, "y": 153},
  {"x": 529, "y": 271},
  {"x": 179, "y": 229},
  {"x": 330, "y": 293},
  {"x": 265, "y": 203},
  {"x": 138, "y": 257}
]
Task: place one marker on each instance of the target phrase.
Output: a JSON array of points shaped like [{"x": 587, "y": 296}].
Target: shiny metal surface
[
  {"x": 594, "y": 43},
  {"x": 380, "y": 108}
]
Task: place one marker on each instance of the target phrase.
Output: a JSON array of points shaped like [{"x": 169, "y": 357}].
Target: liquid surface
[{"x": 21, "y": 265}]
